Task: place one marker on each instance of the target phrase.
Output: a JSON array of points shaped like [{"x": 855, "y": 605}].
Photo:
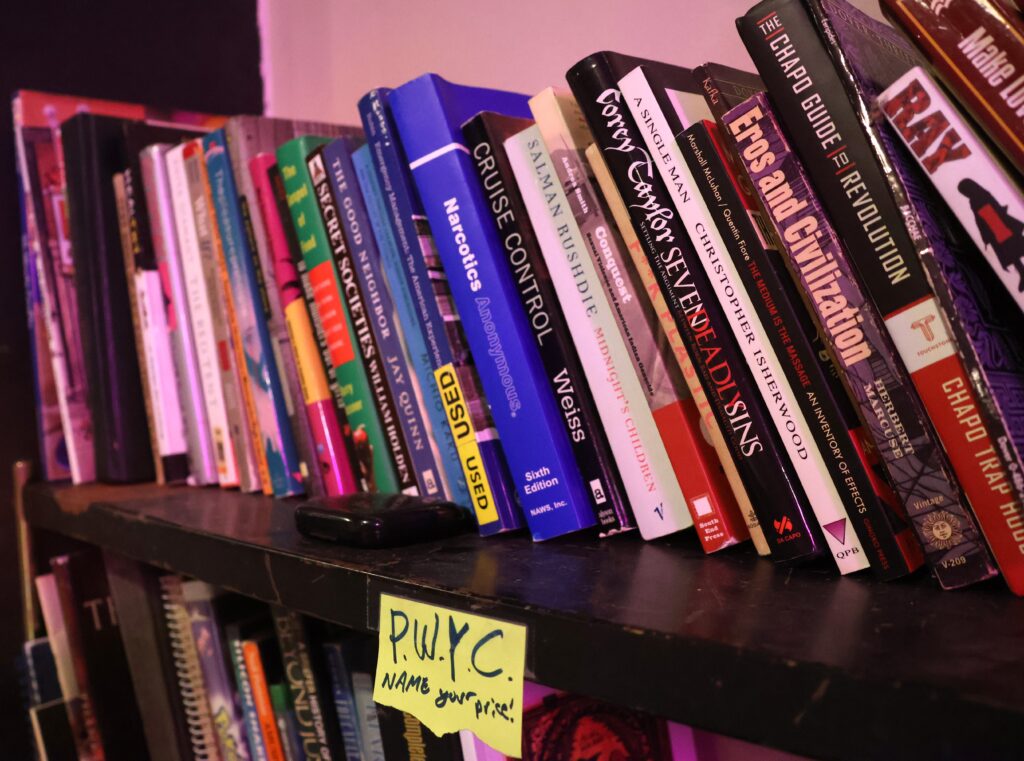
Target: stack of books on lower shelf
[
  {"x": 135, "y": 663},
  {"x": 782, "y": 307}
]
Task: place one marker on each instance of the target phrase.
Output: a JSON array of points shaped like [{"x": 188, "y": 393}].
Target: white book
[
  {"x": 974, "y": 185},
  {"x": 53, "y": 619},
  {"x": 789, "y": 421},
  {"x": 185, "y": 362},
  {"x": 639, "y": 453},
  {"x": 201, "y": 317}
]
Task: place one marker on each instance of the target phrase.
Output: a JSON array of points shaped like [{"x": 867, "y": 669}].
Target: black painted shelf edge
[{"x": 786, "y": 701}]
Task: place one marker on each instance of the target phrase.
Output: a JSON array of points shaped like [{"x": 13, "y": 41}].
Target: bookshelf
[{"x": 801, "y": 660}]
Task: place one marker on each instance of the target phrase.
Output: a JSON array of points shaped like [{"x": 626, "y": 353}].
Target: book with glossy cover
[
  {"x": 373, "y": 462},
  {"x": 101, "y": 667},
  {"x": 865, "y": 355},
  {"x": 202, "y": 302},
  {"x": 847, "y": 154},
  {"x": 247, "y": 136},
  {"x": 405, "y": 736},
  {"x": 417, "y": 357},
  {"x": 93, "y": 153},
  {"x": 970, "y": 180},
  {"x": 726, "y": 515},
  {"x": 415, "y": 464},
  {"x": 202, "y": 460},
  {"x": 260, "y": 654},
  {"x": 663, "y": 434},
  {"x": 783, "y": 512},
  {"x": 265, "y": 398},
  {"x": 485, "y": 134},
  {"x": 319, "y": 391},
  {"x": 484, "y": 472},
  {"x": 977, "y": 48},
  {"x": 429, "y": 112},
  {"x": 230, "y": 362}
]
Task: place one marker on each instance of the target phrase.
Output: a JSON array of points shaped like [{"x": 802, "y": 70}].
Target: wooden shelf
[{"x": 794, "y": 658}]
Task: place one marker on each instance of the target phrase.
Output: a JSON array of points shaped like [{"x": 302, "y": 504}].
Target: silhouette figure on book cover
[{"x": 1001, "y": 231}]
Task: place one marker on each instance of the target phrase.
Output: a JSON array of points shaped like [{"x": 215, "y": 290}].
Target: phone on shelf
[{"x": 380, "y": 520}]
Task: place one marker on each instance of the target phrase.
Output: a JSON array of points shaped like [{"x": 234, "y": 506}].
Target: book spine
[
  {"x": 480, "y": 452},
  {"x": 344, "y": 700},
  {"x": 976, "y": 49},
  {"x": 973, "y": 184},
  {"x": 200, "y": 318},
  {"x": 372, "y": 462},
  {"x": 366, "y": 711},
  {"x": 244, "y": 136},
  {"x": 764, "y": 466},
  {"x": 243, "y": 684},
  {"x": 285, "y": 718},
  {"x": 215, "y": 277},
  {"x": 324, "y": 409},
  {"x": 427, "y": 397},
  {"x": 189, "y": 675},
  {"x": 726, "y": 515},
  {"x": 202, "y": 462},
  {"x": 538, "y": 298},
  {"x": 551, "y": 490},
  {"x": 261, "y": 701},
  {"x": 227, "y": 719},
  {"x": 790, "y": 330},
  {"x": 418, "y": 471},
  {"x": 150, "y": 395},
  {"x": 662, "y": 427},
  {"x": 277, "y": 455},
  {"x": 864, "y": 351},
  {"x": 846, "y": 165},
  {"x": 302, "y": 685}
]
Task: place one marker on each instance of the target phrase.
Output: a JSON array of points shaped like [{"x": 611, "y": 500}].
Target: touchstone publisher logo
[{"x": 925, "y": 326}]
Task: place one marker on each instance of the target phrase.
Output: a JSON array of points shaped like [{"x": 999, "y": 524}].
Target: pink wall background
[{"x": 321, "y": 56}]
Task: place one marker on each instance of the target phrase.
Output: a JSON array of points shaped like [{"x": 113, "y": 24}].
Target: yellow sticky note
[{"x": 453, "y": 670}]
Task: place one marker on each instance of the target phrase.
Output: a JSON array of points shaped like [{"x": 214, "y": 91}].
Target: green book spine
[{"x": 371, "y": 445}]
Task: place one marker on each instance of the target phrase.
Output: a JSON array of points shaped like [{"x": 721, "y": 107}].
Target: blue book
[
  {"x": 482, "y": 459},
  {"x": 439, "y": 435},
  {"x": 344, "y": 700},
  {"x": 428, "y": 112},
  {"x": 381, "y": 309},
  {"x": 264, "y": 380}
]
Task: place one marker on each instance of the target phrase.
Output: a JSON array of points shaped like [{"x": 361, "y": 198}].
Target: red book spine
[{"x": 978, "y": 50}]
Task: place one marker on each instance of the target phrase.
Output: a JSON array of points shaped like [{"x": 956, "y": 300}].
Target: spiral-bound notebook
[{"x": 192, "y": 693}]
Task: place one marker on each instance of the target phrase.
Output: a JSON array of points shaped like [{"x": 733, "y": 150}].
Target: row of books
[
  {"x": 659, "y": 299},
  {"x": 135, "y": 663}
]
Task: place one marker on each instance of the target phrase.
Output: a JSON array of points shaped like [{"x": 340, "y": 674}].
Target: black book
[
  {"x": 94, "y": 151},
  {"x": 485, "y": 136},
  {"x": 790, "y": 329},
  {"x": 782, "y": 508},
  {"x": 51, "y": 731},
  {"x": 101, "y": 666},
  {"x": 405, "y": 736}
]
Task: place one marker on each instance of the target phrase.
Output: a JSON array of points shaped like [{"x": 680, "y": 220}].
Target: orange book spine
[{"x": 261, "y": 697}]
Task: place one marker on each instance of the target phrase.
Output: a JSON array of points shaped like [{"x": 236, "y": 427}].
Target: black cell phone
[{"x": 380, "y": 520}]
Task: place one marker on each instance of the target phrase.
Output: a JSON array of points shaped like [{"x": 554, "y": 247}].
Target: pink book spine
[{"x": 328, "y": 429}]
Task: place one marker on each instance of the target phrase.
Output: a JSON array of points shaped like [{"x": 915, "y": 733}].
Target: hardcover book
[
  {"x": 202, "y": 460},
  {"x": 660, "y": 434},
  {"x": 372, "y": 462},
  {"x": 974, "y": 185},
  {"x": 101, "y": 668},
  {"x": 729, "y": 516},
  {"x": 247, "y": 136},
  {"x": 328, "y": 427},
  {"x": 485, "y": 135},
  {"x": 203, "y": 303},
  {"x": 977, "y": 48},
  {"x": 783, "y": 512},
  {"x": 865, "y": 355},
  {"x": 93, "y": 153},
  {"x": 264, "y": 394},
  {"x": 418, "y": 472},
  {"x": 844, "y": 150},
  {"x": 428, "y": 113},
  {"x": 484, "y": 471},
  {"x": 344, "y": 699},
  {"x": 404, "y": 736},
  {"x": 425, "y": 395}
]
